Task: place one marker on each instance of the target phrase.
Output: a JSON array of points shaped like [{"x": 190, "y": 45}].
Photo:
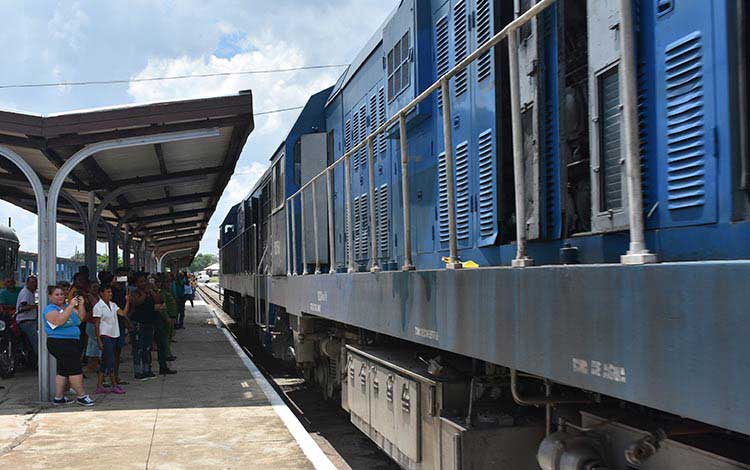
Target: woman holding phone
[
  {"x": 61, "y": 324},
  {"x": 107, "y": 333}
]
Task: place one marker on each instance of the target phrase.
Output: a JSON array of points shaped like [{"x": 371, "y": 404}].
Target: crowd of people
[{"x": 88, "y": 322}]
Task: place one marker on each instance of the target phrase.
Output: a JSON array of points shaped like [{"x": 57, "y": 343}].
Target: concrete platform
[{"x": 212, "y": 414}]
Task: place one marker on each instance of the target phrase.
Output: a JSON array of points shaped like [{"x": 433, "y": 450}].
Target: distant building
[
  {"x": 28, "y": 265},
  {"x": 213, "y": 269}
]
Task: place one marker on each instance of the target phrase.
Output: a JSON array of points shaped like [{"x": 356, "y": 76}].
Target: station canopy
[{"x": 168, "y": 191}]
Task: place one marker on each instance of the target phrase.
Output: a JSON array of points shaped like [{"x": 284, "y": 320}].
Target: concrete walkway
[{"x": 212, "y": 414}]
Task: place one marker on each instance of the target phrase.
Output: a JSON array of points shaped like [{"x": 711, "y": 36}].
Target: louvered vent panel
[
  {"x": 686, "y": 132},
  {"x": 363, "y": 135},
  {"x": 443, "y": 199},
  {"x": 610, "y": 170},
  {"x": 363, "y": 218},
  {"x": 374, "y": 124},
  {"x": 355, "y": 140},
  {"x": 357, "y": 228},
  {"x": 383, "y": 217},
  {"x": 487, "y": 184},
  {"x": 460, "y": 33},
  {"x": 442, "y": 51},
  {"x": 346, "y": 236},
  {"x": 347, "y": 135},
  {"x": 463, "y": 206},
  {"x": 484, "y": 33},
  {"x": 381, "y": 119}
]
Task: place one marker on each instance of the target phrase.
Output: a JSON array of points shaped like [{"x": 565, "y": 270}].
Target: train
[
  {"x": 19, "y": 265},
  {"x": 447, "y": 349},
  {"x": 8, "y": 252}
]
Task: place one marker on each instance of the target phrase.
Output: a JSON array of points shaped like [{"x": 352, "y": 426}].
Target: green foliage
[{"x": 203, "y": 260}]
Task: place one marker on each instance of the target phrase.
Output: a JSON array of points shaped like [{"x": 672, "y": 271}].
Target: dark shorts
[{"x": 68, "y": 355}]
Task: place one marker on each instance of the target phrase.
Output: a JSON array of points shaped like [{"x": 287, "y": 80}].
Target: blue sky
[{"x": 53, "y": 41}]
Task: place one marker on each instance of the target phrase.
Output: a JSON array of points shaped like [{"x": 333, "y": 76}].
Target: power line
[
  {"x": 172, "y": 77},
  {"x": 274, "y": 111}
]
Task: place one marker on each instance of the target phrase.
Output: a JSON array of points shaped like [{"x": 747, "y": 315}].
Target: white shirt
[
  {"x": 108, "y": 314},
  {"x": 27, "y": 297}
]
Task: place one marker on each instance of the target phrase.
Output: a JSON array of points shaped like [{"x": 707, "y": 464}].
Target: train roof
[
  {"x": 361, "y": 57},
  {"x": 8, "y": 234}
]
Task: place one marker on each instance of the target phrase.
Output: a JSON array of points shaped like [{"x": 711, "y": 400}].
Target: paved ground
[{"x": 212, "y": 414}]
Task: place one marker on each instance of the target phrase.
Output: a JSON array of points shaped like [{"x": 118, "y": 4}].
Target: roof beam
[
  {"x": 83, "y": 139},
  {"x": 182, "y": 239},
  {"x": 164, "y": 235},
  {"x": 163, "y": 228},
  {"x": 174, "y": 215},
  {"x": 168, "y": 201},
  {"x": 165, "y": 179}
]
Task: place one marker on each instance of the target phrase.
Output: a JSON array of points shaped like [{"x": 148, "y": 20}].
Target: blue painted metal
[{"x": 677, "y": 329}]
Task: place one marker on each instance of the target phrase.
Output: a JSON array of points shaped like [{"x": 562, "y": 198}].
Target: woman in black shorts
[{"x": 61, "y": 322}]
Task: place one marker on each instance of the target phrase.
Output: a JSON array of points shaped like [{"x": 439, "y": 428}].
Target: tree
[{"x": 202, "y": 260}]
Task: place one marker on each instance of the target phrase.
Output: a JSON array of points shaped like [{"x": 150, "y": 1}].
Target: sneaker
[
  {"x": 137, "y": 377},
  {"x": 172, "y": 358},
  {"x": 85, "y": 401},
  {"x": 102, "y": 390},
  {"x": 122, "y": 382},
  {"x": 149, "y": 376},
  {"x": 167, "y": 371},
  {"x": 117, "y": 390},
  {"x": 61, "y": 401}
]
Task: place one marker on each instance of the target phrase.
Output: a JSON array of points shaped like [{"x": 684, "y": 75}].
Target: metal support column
[
  {"x": 373, "y": 204},
  {"x": 453, "y": 261},
  {"x": 331, "y": 239},
  {"x": 348, "y": 199},
  {"x": 303, "y": 232},
  {"x": 315, "y": 226},
  {"x": 46, "y": 363},
  {"x": 113, "y": 249},
  {"x": 89, "y": 241},
  {"x": 126, "y": 247},
  {"x": 287, "y": 213},
  {"x": 408, "y": 265},
  {"x": 522, "y": 259},
  {"x": 637, "y": 252},
  {"x": 294, "y": 238}
]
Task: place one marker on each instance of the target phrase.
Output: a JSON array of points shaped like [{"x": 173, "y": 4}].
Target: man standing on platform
[
  {"x": 178, "y": 290},
  {"x": 27, "y": 312}
]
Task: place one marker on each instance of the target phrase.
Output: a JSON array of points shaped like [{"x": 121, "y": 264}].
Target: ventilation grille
[
  {"x": 487, "y": 224},
  {"x": 374, "y": 124},
  {"x": 484, "y": 33},
  {"x": 382, "y": 215},
  {"x": 610, "y": 170},
  {"x": 442, "y": 51},
  {"x": 381, "y": 120},
  {"x": 443, "y": 199},
  {"x": 355, "y": 140},
  {"x": 347, "y": 136},
  {"x": 363, "y": 135},
  {"x": 361, "y": 228},
  {"x": 686, "y": 132},
  {"x": 460, "y": 24},
  {"x": 463, "y": 205}
]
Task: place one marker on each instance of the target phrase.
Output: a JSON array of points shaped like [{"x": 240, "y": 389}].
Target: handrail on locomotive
[{"x": 637, "y": 254}]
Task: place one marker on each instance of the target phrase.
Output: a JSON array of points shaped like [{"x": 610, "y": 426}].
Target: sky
[{"x": 65, "y": 41}]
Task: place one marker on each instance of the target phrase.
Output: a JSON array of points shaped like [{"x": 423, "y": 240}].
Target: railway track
[{"x": 326, "y": 422}]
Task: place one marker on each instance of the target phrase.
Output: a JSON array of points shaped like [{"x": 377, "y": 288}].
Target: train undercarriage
[{"x": 430, "y": 407}]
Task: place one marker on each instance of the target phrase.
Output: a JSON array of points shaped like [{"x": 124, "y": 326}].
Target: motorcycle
[{"x": 15, "y": 354}]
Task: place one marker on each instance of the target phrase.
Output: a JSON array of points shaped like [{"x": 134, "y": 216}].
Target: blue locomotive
[{"x": 620, "y": 345}]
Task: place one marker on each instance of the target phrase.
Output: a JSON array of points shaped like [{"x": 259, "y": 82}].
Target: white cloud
[
  {"x": 271, "y": 91},
  {"x": 68, "y": 24}
]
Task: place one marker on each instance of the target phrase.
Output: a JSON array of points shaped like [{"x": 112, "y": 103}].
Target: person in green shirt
[
  {"x": 9, "y": 294},
  {"x": 169, "y": 315}
]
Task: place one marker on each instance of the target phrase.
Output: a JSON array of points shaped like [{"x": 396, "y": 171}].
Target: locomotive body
[{"x": 612, "y": 358}]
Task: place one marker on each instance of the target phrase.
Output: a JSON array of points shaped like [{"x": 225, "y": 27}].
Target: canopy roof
[{"x": 169, "y": 191}]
